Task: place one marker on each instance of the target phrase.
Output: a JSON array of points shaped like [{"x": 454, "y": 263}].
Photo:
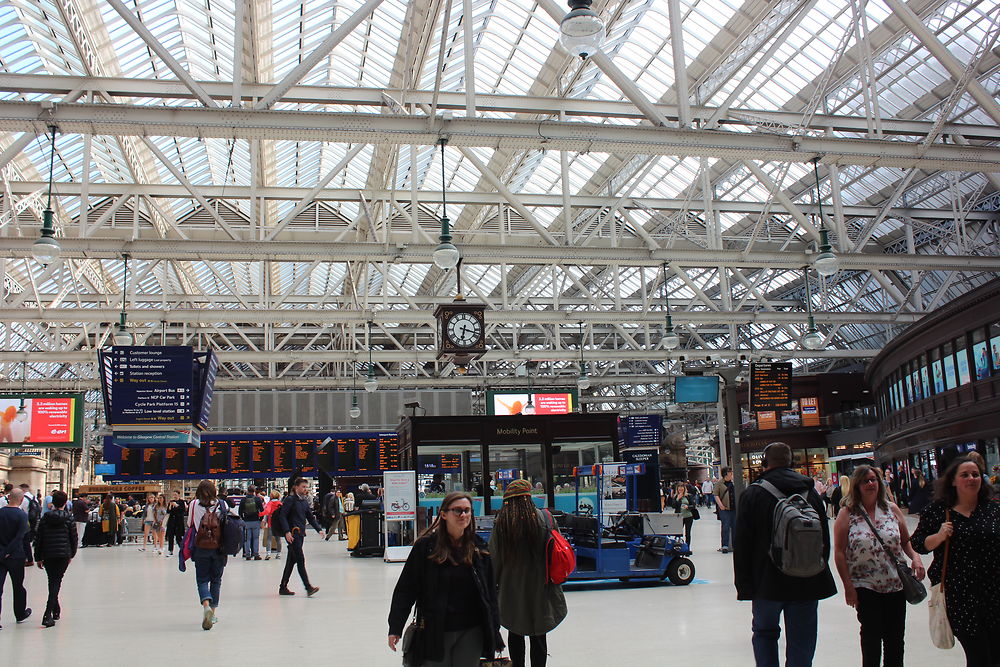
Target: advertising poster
[
  {"x": 950, "y": 379},
  {"x": 400, "y": 501},
  {"x": 964, "y": 374},
  {"x": 767, "y": 420},
  {"x": 38, "y": 420},
  {"x": 982, "y": 360},
  {"x": 938, "y": 377},
  {"x": 924, "y": 381},
  {"x": 532, "y": 404},
  {"x": 810, "y": 411},
  {"x": 995, "y": 352}
]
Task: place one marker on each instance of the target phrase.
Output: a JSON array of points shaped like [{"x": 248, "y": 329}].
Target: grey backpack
[{"x": 796, "y": 534}]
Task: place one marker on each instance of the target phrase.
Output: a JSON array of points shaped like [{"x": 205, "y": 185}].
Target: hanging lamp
[
  {"x": 446, "y": 255},
  {"x": 582, "y": 382},
  {"x": 813, "y": 339},
  {"x": 121, "y": 335},
  {"x": 826, "y": 261},
  {"x": 371, "y": 382},
  {"x": 46, "y": 249}
]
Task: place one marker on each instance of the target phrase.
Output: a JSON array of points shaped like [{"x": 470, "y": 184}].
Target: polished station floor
[{"x": 123, "y": 606}]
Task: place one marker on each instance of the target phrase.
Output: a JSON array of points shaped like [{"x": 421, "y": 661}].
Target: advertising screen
[
  {"x": 534, "y": 403},
  {"x": 41, "y": 420},
  {"x": 982, "y": 360},
  {"x": 696, "y": 388}
]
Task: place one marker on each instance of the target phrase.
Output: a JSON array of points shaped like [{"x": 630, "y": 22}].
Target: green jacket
[{"x": 529, "y": 605}]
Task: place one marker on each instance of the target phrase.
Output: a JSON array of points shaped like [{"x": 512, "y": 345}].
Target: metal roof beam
[{"x": 129, "y": 120}]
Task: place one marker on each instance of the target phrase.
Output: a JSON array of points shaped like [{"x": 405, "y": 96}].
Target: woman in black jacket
[
  {"x": 449, "y": 577},
  {"x": 55, "y": 547}
]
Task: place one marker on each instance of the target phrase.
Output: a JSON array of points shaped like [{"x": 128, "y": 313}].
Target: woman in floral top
[{"x": 871, "y": 583}]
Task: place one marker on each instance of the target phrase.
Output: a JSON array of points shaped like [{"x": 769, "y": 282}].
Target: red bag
[{"x": 560, "y": 559}]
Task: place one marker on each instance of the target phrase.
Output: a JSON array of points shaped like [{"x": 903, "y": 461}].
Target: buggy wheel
[{"x": 680, "y": 571}]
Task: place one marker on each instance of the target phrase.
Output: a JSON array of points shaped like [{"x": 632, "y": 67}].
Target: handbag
[
  {"x": 913, "y": 589},
  {"x": 695, "y": 514},
  {"x": 408, "y": 641},
  {"x": 940, "y": 626}
]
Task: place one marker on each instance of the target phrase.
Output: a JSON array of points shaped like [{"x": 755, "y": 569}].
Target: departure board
[
  {"x": 284, "y": 457},
  {"x": 255, "y": 455},
  {"x": 347, "y": 454},
  {"x": 303, "y": 454},
  {"x": 239, "y": 458},
  {"x": 131, "y": 460},
  {"x": 388, "y": 452},
  {"x": 770, "y": 386},
  {"x": 218, "y": 458},
  {"x": 152, "y": 462},
  {"x": 451, "y": 462},
  {"x": 195, "y": 462},
  {"x": 262, "y": 458},
  {"x": 173, "y": 461}
]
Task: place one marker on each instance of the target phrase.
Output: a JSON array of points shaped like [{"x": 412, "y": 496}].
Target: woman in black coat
[
  {"x": 449, "y": 577},
  {"x": 55, "y": 546}
]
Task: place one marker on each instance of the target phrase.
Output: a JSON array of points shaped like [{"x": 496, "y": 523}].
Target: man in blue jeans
[
  {"x": 757, "y": 577},
  {"x": 251, "y": 508},
  {"x": 725, "y": 498}
]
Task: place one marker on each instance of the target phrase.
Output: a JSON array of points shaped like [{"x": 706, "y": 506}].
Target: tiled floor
[{"x": 126, "y": 607}]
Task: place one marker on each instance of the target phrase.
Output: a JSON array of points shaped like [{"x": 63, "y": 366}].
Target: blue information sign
[
  {"x": 643, "y": 430},
  {"x": 152, "y": 386},
  {"x": 104, "y": 468}
]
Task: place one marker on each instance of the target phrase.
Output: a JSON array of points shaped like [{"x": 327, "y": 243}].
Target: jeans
[
  {"x": 883, "y": 622},
  {"x": 709, "y": 500},
  {"x": 726, "y": 516},
  {"x": 800, "y": 632},
  {"x": 461, "y": 648},
  {"x": 208, "y": 567},
  {"x": 539, "y": 649},
  {"x": 251, "y": 539},
  {"x": 81, "y": 528},
  {"x": 296, "y": 558},
  {"x": 15, "y": 568},
  {"x": 55, "y": 568}
]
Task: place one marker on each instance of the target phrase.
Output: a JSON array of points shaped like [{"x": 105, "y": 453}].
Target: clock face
[{"x": 463, "y": 329}]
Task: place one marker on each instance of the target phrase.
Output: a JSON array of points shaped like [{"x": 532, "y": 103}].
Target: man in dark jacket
[
  {"x": 55, "y": 547},
  {"x": 759, "y": 579},
  {"x": 291, "y": 519},
  {"x": 14, "y": 551},
  {"x": 81, "y": 515}
]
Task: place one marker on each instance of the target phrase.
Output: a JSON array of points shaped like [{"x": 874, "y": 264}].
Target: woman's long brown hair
[
  {"x": 516, "y": 527},
  {"x": 206, "y": 493},
  {"x": 853, "y": 501},
  {"x": 444, "y": 550}
]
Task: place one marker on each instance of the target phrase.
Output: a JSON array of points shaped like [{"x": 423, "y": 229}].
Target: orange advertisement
[
  {"x": 767, "y": 420},
  {"x": 810, "y": 411}
]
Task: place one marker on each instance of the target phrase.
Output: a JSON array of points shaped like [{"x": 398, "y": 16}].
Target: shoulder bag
[
  {"x": 913, "y": 590},
  {"x": 940, "y": 626},
  {"x": 409, "y": 640}
]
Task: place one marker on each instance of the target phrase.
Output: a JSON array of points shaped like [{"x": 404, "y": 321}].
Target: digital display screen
[
  {"x": 368, "y": 454},
  {"x": 173, "y": 461},
  {"x": 514, "y": 403},
  {"x": 770, "y": 386},
  {"x": 131, "y": 461},
  {"x": 303, "y": 452},
  {"x": 152, "y": 462},
  {"x": 239, "y": 458},
  {"x": 218, "y": 458},
  {"x": 195, "y": 461},
  {"x": 346, "y": 454},
  {"x": 696, "y": 389},
  {"x": 326, "y": 458},
  {"x": 261, "y": 456},
  {"x": 284, "y": 457},
  {"x": 41, "y": 420},
  {"x": 388, "y": 453}
]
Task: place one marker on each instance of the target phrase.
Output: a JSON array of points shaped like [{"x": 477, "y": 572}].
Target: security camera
[{"x": 412, "y": 404}]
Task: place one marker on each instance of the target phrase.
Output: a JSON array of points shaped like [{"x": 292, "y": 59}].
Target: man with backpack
[
  {"x": 781, "y": 541},
  {"x": 251, "y": 508},
  {"x": 290, "y": 521}
]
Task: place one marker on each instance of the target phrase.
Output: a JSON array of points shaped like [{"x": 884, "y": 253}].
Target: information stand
[{"x": 400, "y": 500}]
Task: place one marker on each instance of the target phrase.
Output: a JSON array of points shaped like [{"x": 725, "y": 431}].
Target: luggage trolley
[{"x": 625, "y": 545}]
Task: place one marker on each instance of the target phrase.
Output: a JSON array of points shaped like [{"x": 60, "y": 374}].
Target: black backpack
[
  {"x": 250, "y": 508},
  {"x": 34, "y": 513}
]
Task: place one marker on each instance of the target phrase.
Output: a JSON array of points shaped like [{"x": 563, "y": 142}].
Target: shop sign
[
  {"x": 810, "y": 411},
  {"x": 767, "y": 420},
  {"x": 513, "y": 432}
]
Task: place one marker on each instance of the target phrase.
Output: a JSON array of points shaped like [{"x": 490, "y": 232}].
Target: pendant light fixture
[
  {"x": 581, "y": 31},
  {"x": 582, "y": 382},
  {"x": 446, "y": 255},
  {"x": 46, "y": 249},
  {"x": 21, "y": 415},
  {"x": 371, "y": 382},
  {"x": 813, "y": 339},
  {"x": 529, "y": 407},
  {"x": 122, "y": 335},
  {"x": 355, "y": 411},
  {"x": 826, "y": 261},
  {"x": 670, "y": 338}
]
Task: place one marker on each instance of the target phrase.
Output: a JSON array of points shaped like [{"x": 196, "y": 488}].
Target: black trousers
[
  {"x": 539, "y": 649},
  {"x": 55, "y": 568},
  {"x": 688, "y": 522},
  {"x": 980, "y": 650},
  {"x": 883, "y": 622},
  {"x": 15, "y": 568},
  {"x": 175, "y": 534},
  {"x": 296, "y": 557}
]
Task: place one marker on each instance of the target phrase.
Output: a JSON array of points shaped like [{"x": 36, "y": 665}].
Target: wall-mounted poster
[
  {"x": 962, "y": 363},
  {"x": 767, "y": 420},
  {"x": 909, "y": 389},
  {"x": 918, "y": 392},
  {"x": 810, "y": 411},
  {"x": 950, "y": 379},
  {"x": 995, "y": 352},
  {"x": 925, "y": 382},
  {"x": 982, "y": 359},
  {"x": 938, "y": 377}
]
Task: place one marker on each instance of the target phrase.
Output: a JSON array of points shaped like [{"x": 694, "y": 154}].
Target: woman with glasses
[
  {"x": 529, "y": 605},
  {"x": 962, "y": 526},
  {"x": 871, "y": 582},
  {"x": 449, "y": 577}
]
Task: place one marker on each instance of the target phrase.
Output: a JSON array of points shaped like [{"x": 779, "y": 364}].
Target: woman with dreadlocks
[{"x": 529, "y": 605}]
